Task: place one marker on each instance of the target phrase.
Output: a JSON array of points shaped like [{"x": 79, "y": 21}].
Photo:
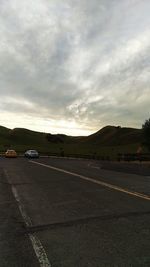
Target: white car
[{"x": 31, "y": 154}]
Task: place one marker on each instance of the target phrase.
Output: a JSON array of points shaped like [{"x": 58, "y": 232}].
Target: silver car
[{"x": 31, "y": 154}]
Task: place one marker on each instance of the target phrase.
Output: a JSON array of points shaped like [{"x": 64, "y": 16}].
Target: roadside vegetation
[
  {"x": 104, "y": 144},
  {"x": 146, "y": 134}
]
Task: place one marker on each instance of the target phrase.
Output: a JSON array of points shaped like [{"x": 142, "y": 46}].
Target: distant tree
[
  {"x": 146, "y": 133},
  {"x": 54, "y": 138},
  {"x": 49, "y": 137}
]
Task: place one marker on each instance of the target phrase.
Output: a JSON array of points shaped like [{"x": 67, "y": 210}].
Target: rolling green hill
[
  {"x": 110, "y": 140},
  {"x": 111, "y": 135}
]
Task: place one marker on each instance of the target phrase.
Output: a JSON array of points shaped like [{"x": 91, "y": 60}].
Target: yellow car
[{"x": 10, "y": 153}]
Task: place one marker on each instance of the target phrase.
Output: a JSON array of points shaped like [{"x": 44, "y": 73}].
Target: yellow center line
[{"x": 114, "y": 187}]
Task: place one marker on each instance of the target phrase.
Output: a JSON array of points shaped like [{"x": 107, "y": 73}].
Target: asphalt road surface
[{"x": 73, "y": 213}]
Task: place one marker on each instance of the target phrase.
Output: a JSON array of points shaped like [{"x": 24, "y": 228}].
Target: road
[{"x": 73, "y": 213}]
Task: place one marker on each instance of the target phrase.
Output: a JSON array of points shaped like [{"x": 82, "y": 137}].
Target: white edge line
[
  {"x": 36, "y": 243},
  {"x": 117, "y": 188}
]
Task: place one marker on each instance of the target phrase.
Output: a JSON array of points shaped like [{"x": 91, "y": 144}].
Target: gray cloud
[{"x": 82, "y": 61}]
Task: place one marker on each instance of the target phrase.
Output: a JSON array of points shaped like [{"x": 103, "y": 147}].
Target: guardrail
[
  {"x": 133, "y": 157},
  {"x": 120, "y": 157},
  {"x": 64, "y": 155}
]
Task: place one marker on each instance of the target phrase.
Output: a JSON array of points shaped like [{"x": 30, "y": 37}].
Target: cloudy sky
[{"x": 74, "y": 66}]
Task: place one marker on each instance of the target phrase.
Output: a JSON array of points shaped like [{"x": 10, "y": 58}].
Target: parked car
[
  {"x": 31, "y": 154},
  {"x": 10, "y": 153}
]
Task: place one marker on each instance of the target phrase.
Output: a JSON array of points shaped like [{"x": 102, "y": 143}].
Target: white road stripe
[
  {"x": 36, "y": 243},
  {"x": 95, "y": 167},
  {"x": 114, "y": 187}
]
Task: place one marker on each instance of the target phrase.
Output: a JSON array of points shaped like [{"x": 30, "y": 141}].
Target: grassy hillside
[
  {"x": 111, "y": 135},
  {"x": 4, "y": 135},
  {"x": 109, "y": 141}
]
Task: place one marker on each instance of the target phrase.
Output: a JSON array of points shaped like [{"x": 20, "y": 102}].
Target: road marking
[
  {"x": 36, "y": 243},
  {"x": 114, "y": 187},
  {"x": 93, "y": 166}
]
